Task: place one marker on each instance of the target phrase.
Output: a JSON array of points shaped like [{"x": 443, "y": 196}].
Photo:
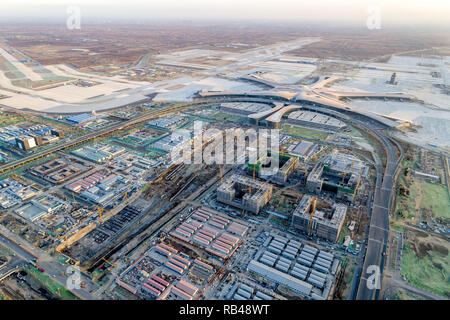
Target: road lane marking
[{"x": 375, "y": 205}]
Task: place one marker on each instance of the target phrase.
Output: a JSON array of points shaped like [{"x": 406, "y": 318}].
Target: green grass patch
[
  {"x": 51, "y": 285},
  {"x": 304, "y": 132},
  {"x": 430, "y": 273},
  {"x": 435, "y": 197},
  {"x": 220, "y": 116}
]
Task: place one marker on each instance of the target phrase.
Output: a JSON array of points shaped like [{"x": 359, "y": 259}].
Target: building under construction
[
  {"x": 245, "y": 193},
  {"x": 339, "y": 173},
  {"x": 286, "y": 165},
  {"x": 323, "y": 221}
]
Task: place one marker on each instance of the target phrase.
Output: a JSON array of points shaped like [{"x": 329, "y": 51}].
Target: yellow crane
[
  {"x": 66, "y": 236},
  {"x": 221, "y": 176},
  {"x": 126, "y": 193},
  {"x": 111, "y": 264},
  {"x": 315, "y": 158},
  {"x": 344, "y": 174},
  {"x": 100, "y": 211},
  {"x": 313, "y": 209}
]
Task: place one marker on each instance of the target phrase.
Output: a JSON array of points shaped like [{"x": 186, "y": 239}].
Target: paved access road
[
  {"x": 379, "y": 222},
  {"x": 35, "y": 256}
]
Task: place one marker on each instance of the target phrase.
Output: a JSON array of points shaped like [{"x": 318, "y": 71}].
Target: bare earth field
[
  {"x": 122, "y": 44},
  {"x": 117, "y": 44}
]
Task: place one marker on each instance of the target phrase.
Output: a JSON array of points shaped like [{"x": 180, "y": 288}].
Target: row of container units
[
  {"x": 300, "y": 271},
  {"x": 165, "y": 250},
  {"x": 198, "y": 239},
  {"x": 180, "y": 236},
  {"x": 208, "y": 232},
  {"x": 261, "y": 296},
  {"x": 218, "y": 222},
  {"x": 326, "y": 255},
  {"x": 217, "y": 253},
  {"x": 203, "y": 265},
  {"x": 237, "y": 229},
  {"x": 239, "y": 297},
  {"x": 181, "y": 294},
  {"x": 244, "y": 293},
  {"x": 305, "y": 259},
  {"x": 310, "y": 249},
  {"x": 268, "y": 258},
  {"x": 175, "y": 267},
  {"x": 187, "y": 287},
  {"x": 282, "y": 266},
  {"x": 151, "y": 289},
  {"x": 126, "y": 286},
  {"x": 322, "y": 265},
  {"x": 201, "y": 215},
  {"x": 190, "y": 226},
  {"x": 317, "y": 279},
  {"x": 280, "y": 239},
  {"x": 220, "y": 246}
]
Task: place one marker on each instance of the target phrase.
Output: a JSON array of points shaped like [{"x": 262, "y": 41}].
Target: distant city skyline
[{"x": 393, "y": 12}]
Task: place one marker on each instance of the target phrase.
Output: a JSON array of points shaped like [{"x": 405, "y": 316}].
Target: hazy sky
[{"x": 392, "y": 11}]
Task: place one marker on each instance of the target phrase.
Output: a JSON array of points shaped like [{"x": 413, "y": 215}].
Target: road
[
  {"x": 13, "y": 265},
  {"x": 35, "y": 256},
  {"x": 379, "y": 222}
]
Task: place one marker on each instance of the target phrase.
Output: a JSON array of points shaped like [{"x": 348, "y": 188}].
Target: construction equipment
[
  {"x": 66, "y": 236},
  {"x": 221, "y": 176},
  {"x": 100, "y": 211},
  {"x": 347, "y": 172},
  {"x": 313, "y": 209},
  {"x": 126, "y": 193},
  {"x": 315, "y": 158},
  {"x": 343, "y": 174},
  {"x": 111, "y": 264}
]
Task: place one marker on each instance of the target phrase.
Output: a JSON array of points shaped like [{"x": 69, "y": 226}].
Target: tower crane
[
  {"x": 126, "y": 193},
  {"x": 313, "y": 210}
]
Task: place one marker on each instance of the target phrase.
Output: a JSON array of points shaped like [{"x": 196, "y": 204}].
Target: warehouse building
[
  {"x": 81, "y": 118},
  {"x": 308, "y": 271}
]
